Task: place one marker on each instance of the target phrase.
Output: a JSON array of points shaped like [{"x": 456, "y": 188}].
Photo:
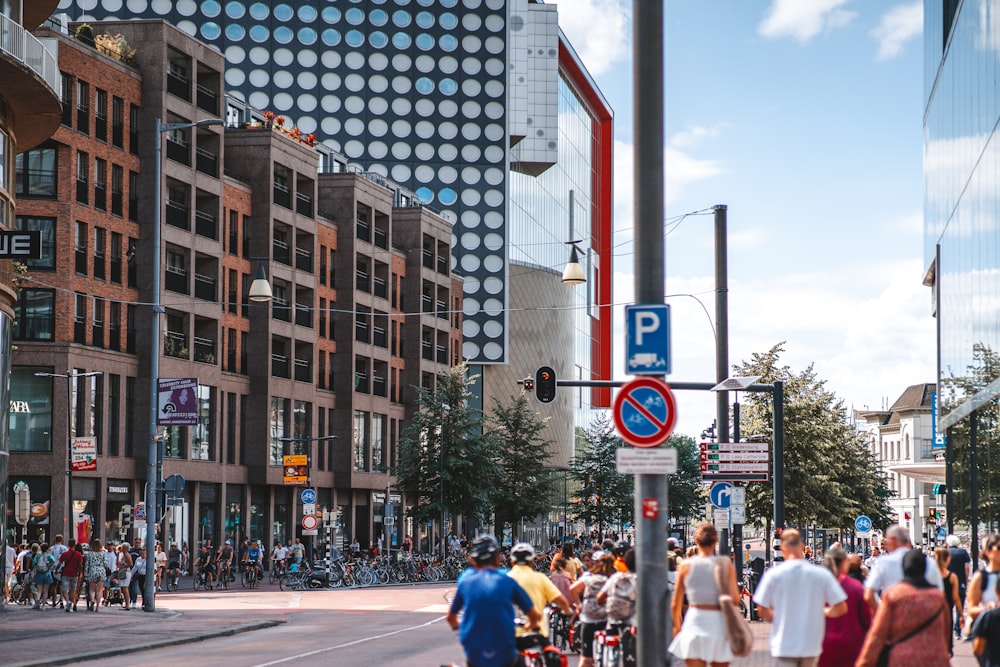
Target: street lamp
[
  {"x": 573, "y": 274},
  {"x": 152, "y": 467},
  {"x": 70, "y": 376}
]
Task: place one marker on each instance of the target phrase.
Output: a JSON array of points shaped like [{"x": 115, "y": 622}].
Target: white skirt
[{"x": 702, "y": 637}]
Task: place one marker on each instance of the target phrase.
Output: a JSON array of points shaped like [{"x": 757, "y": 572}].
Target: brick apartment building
[{"x": 358, "y": 272}]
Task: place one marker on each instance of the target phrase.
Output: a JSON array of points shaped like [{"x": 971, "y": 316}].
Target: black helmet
[
  {"x": 484, "y": 548},
  {"x": 522, "y": 552},
  {"x": 621, "y": 547}
]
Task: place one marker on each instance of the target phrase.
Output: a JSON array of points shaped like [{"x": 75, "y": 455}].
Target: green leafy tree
[
  {"x": 526, "y": 486},
  {"x": 685, "y": 492},
  {"x": 444, "y": 445},
  {"x": 605, "y": 498},
  {"x": 830, "y": 476}
]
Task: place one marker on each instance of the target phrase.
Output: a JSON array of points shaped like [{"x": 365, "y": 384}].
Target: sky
[{"x": 803, "y": 117}]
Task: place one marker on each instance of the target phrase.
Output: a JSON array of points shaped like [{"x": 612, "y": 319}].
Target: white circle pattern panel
[{"x": 347, "y": 68}]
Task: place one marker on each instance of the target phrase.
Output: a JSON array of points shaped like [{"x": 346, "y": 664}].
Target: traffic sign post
[
  {"x": 721, "y": 495},
  {"x": 647, "y": 346},
  {"x": 863, "y": 524}
]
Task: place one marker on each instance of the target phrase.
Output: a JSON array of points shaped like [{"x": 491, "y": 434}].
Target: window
[
  {"x": 97, "y": 328},
  {"x": 281, "y": 423},
  {"x": 117, "y": 193},
  {"x": 66, "y": 98},
  {"x": 81, "y": 248},
  {"x": 132, "y": 263},
  {"x": 379, "y": 458},
  {"x": 31, "y": 428},
  {"x": 36, "y": 173},
  {"x": 82, "y": 107},
  {"x": 82, "y": 177},
  {"x": 133, "y": 196},
  {"x": 133, "y": 129},
  {"x": 360, "y": 441},
  {"x": 100, "y": 256},
  {"x": 114, "y": 414},
  {"x": 100, "y": 184},
  {"x": 35, "y": 317},
  {"x": 117, "y": 122},
  {"x": 203, "y": 436},
  {"x": 47, "y": 228},
  {"x": 80, "y": 319},
  {"x": 101, "y": 114},
  {"x": 129, "y": 415},
  {"x": 114, "y": 326}
]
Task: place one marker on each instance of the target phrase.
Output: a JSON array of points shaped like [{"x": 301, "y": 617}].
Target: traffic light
[
  {"x": 529, "y": 384},
  {"x": 545, "y": 384},
  {"x": 932, "y": 516}
]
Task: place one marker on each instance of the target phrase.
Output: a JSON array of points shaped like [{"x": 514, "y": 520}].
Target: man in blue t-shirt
[{"x": 486, "y": 599}]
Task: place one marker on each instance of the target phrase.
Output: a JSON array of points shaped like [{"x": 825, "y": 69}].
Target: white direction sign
[
  {"x": 736, "y": 467},
  {"x": 720, "y": 518},
  {"x": 649, "y": 461}
]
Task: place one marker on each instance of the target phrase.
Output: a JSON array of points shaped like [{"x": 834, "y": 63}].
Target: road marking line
[
  {"x": 433, "y": 609},
  {"x": 295, "y": 601},
  {"x": 353, "y": 643}
]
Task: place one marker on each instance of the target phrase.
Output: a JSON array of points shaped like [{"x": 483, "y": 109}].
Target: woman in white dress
[{"x": 700, "y": 634}]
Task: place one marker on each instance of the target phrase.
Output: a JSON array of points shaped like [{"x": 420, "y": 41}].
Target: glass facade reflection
[{"x": 962, "y": 195}]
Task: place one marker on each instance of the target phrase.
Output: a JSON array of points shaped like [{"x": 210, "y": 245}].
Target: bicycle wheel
[
  {"x": 224, "y": 580},
  {"x": 245, "y": 579},
  {"x": 195, "y": 581},
  {"x": 274, "y": 576},
  {"x": 284, "y": 582}
]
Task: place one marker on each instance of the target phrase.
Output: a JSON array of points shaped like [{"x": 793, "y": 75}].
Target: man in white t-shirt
[
  {"x": 888, "y": 568},
  {"x": 797, "y": 597}
]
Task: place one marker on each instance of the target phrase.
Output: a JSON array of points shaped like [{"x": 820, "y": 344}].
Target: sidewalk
[
  {"x": 53, "y": 637},
  {"x": 761, "y": 655}
]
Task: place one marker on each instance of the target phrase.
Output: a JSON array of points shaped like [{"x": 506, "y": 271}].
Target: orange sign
[{"x": 296, "y": 469}]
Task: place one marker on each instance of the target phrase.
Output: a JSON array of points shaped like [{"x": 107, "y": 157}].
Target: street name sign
[
  {"x": 645, "y": 412},
  {"x": 735, "y": 461},
  {"x": 647, "y": 339},
  {"x": 658, "y": 461}
]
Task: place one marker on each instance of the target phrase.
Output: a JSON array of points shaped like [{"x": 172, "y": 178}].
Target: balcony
[
  {"x": 303, "y": 316},
  {"x": 204, "y": 287},
  {"x": 175, "y": 345},
  {"x": 178, "y": 215},
  {"x": 206, "y": 162},
  {"x": 380, "y": 238},
  {"x": 178, "y": 152},
  {"x": 303, "y": 260},
  {"x": 281, "y": 253},
  {"x": 204, "y": 350},
  {"x": 34, "y": 92},
  {"x": 442, "y": 354},
  {"x": 176, "y": 280},
  {"x": 279, "y": 366},
  {"x": 427, "y": 350},
  {"x": 442, "y": 264},
  {"x": 281, "y": 311},
  {"x": 207, "y": 100},
  {"x": 442, "y": 310},
  {"x": 381, "y": 288},
  {"x": 303, "y": 370},
  {"x": 178, "y": 84},
  {"x": 304, "y": 205},
  {"x": 206, "y": 225},
  {"x": 282, "y": 197}
]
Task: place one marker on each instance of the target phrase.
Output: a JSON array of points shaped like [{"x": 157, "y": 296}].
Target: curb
[{"x": 137, "y": 648}]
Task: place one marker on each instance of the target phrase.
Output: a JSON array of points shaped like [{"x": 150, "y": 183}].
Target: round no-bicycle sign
[
  {"x": 310, "y": 521},
  {"x": 645, "y": 412}
]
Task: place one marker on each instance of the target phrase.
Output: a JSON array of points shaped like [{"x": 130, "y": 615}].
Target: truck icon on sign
[{"x": 647, "y": 360}]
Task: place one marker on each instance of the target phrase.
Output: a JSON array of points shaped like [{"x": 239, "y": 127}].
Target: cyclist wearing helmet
[
  {"x": 620, "y": 548},
  {"x": 539, "y": 587},
  {"x": 486, "y": 599}
]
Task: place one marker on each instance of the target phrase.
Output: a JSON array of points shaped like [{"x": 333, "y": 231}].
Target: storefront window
[
  {"x": 203, "y": 445},
  {"x": 40, "y": 489},
  {"x": 31, "y": 409}
]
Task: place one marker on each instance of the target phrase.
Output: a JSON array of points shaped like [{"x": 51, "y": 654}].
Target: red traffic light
[{"x": 545, "y": 384}]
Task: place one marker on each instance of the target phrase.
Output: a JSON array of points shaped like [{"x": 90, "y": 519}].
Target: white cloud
[
  {"x": 898, "y": 25},
  {"x": 598, "y": 31},
  {"x": 804, "y": 19}
]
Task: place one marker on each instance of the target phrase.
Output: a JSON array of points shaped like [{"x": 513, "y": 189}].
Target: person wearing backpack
[
  {"x": 618, "y": 597},
  {"x": 593, "y": 615},
  {"x": 42, "y": 564}
]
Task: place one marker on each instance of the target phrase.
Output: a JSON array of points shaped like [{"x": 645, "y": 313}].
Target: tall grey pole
[
  {"x": 949, "y": 480},
  {"x": 653, "y": 598},
  {"x": 974, "y": 483},
  {"x": 152, "y": 452},
  {"x": 778, "y": 427},
  {"x": 722, "y": 346},
  {"x": 70, "y": 523}
]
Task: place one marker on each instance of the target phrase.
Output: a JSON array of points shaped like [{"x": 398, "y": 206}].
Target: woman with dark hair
[
  {"x": 845, "y": 634},
  {"x": 593, "y": 616},
  {"x": 913, "y": 617},
  {"x": 574, "y": 567},
  {"x": 700, "y": 634}
]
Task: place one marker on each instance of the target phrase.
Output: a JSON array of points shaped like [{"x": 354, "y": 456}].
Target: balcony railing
[
  {"x": 204, "y": 350},
  {"x": 303, "y": 205},
  {"x": 206, "y": 225},
  {"x": 178, "y": 215},
  {"x": 281, "y": 253},
  {"x": 442, "y": 354},
  {"x": 428, "y": 258},
  {"x": 175, "y": 345},
  {"x": 303, "y": 260},
  {"x": 207, "y": 100},
  {"x": 176, "y": 280},
  {"x": 204, "y": 287},
  {"x": 178, "y": 85},
  {"x": 380, "y": 238},
  {"x": 280, "y": 310},
  {"x": 303, "y": 370},
  {"x": 427, "y": 350},
  {"x": 381, "y": 288},
  {"x": 279, "y": 365},
  {"x": 178, "y": 152},
  {"x": 442, "y": 264},
  {"x": 282, "y": 197},
  {"x": 303, "y": 316}
]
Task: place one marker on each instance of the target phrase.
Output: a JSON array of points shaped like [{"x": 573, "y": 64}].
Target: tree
[
  {"x": 830, "y": 476},
  {"x": 605, "y": 497},
  {"x": 526, "y": 485},
  {"x": 444, "y": 445},
  {"x": 685, "y": 490}
]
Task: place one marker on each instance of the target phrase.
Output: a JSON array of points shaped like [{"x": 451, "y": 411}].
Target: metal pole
[
  {"x": 70, "y": 528},
  {"x": 779, "y": 463},
  {"x": 653, "y": 598},
  {"x": 722, "y": 347},
  {"x": 152, "y": 481},
  {"x": 737, "y": 527},
  {"x": 974, "y": 483},
  {"x": 949, "y": 480}
]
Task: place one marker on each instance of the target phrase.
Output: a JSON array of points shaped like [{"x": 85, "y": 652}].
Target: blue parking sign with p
[{"x": 647, "y": 333}]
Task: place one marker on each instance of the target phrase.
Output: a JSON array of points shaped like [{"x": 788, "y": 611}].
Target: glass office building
[{"x": 962, "y": 197}]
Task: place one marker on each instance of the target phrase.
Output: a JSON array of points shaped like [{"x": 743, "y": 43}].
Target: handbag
[
  {"x": 738, "y": 630},
  {"x": 883, "y": 656}
]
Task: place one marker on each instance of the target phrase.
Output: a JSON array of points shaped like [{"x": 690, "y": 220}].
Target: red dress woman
[{"x": 845, "y": 634}]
